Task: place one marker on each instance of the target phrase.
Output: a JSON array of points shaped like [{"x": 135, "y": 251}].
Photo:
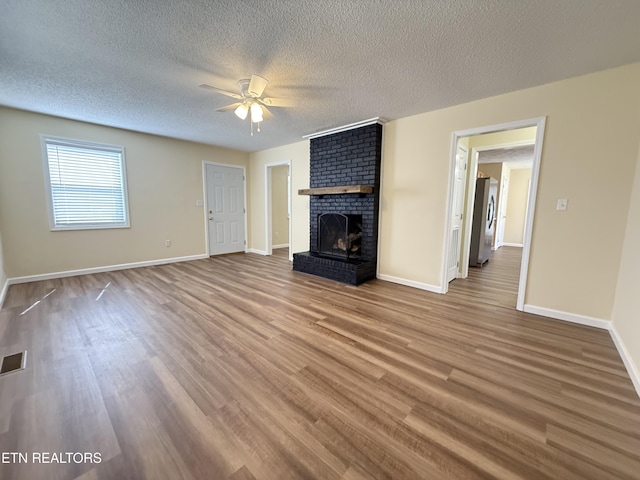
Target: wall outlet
[{"x": 167, "y": 243}]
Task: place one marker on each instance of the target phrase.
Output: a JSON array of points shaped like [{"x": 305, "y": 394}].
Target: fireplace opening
[{"x": 340, "y": 236}]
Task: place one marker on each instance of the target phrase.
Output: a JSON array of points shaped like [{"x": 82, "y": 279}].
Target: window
[{"x": 86, "y": 184}]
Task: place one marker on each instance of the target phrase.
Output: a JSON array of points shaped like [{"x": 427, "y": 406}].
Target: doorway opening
[
  {"x": 493, "y": 152},
  {"x": 278, "y": 208}
]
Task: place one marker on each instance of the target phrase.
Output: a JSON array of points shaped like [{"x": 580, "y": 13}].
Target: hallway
[{"x": 496, "y": 283}]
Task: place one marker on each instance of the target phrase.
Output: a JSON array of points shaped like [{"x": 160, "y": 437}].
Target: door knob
[{"x": 210, "y": 217}]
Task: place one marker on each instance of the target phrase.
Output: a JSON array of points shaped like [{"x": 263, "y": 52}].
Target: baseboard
[
  {"x": 284, "y": 245},
  {"x": 410, "y": 283},
  {"x": 506, "y": 244},
  {"x": 106, "y": 268},
  {"x": 568, "y": 317},
  {"x": 255, "y": 250},
  {"x": 632, "y": 368},
  {"x": 3, "y": 292}
]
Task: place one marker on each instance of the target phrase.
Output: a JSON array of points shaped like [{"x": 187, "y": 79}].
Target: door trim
[
  {"x": 502, "y": 207},
  {"x": 538, "y": 122},
  {"x": 268, "y": 227},
  {"x": 204, "y": 206}
]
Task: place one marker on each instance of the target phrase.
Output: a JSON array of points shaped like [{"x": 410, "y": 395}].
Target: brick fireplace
[{"x": 344, "y": 202}]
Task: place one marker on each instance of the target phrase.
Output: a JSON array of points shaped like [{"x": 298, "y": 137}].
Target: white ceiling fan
[{"x": 250, "y": 100}]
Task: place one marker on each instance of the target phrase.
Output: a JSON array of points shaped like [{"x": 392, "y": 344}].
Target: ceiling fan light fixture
[
  {"x": 241, "y": 111},
  {"x": 256, "y": 113},
  {"x": 250, "y": 101}
]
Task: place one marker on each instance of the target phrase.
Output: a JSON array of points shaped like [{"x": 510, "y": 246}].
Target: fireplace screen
[{"x": 339, "y": 235}]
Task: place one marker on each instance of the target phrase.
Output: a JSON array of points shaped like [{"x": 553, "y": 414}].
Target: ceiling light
[
  {"x": 241, "y": 111},
  {"x": 256, "y": 113}
]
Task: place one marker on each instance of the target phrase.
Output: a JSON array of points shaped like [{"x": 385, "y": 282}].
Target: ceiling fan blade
[
  {"x": 278, "y": 102},
  {"x": 233, "y": 106},
  {"x": 257, "y": 85},
  {"x": 266, "y": 114},
  {"x": 219, "y": 90}
]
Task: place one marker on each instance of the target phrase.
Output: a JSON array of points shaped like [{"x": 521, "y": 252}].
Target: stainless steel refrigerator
[{"x": 484, "y": 221}]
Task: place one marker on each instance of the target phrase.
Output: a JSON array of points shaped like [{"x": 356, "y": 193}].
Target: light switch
[
  {"x": 562, "y": 204},
  {"x": 199, "y": 203}
]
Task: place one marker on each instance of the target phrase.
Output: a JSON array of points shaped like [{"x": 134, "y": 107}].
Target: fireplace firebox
[{"x": 339, "y": 235}]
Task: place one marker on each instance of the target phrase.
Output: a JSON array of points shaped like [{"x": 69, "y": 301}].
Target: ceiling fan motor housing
[{"x": 244, "y": 87}]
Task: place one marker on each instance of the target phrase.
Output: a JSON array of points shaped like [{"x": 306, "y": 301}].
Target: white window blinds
[{"x": 86, "y": 184}]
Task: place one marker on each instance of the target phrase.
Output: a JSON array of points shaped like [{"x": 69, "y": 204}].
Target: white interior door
[
  {"x": 457, "y": 211},
  {"x": 502, "y": 214},
  {"x": 225, "y": 209}
]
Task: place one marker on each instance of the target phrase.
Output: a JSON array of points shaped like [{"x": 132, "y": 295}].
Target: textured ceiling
[
  {"x": 137, "y": 64},
  {"x": 514, "y": 157}
]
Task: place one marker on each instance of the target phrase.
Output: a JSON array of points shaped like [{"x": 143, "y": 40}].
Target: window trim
[{"x": 47, "y": 180}]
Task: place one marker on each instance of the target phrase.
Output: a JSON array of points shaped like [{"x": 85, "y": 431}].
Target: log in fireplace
[{"x": 339, "y": 235}]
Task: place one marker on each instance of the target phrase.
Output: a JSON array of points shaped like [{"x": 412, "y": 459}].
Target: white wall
[{"x": 164, "y": 179}]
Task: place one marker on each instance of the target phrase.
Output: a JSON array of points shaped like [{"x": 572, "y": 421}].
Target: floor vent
[{"x": 14, "y": 362}]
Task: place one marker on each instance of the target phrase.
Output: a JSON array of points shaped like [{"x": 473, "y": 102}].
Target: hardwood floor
[
  {"x": 236, "y": 367},
  {"x": 495, "y": 283}
]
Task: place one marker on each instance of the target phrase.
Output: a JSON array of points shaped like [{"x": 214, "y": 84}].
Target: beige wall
[
  {"x": 279, "y": 206},
  {"x": 298, "y": 155},
  {"x": 3, "y": 276},
  {"x": 626, "y": 308},
  {"x": 164, "y": 179},
  {"x": 493, "y": 170},
  {"x": 516, "y": 205},
  {"x": 509, "y": 137},
  {"x": 589, "y": 119}
]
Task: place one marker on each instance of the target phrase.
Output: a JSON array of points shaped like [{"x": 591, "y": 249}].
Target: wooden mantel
[{"x": 336, "y": 190}]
